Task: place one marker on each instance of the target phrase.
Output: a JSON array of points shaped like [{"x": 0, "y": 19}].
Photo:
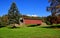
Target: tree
[
  {"x": 3, "y": 21},
  {"x": 54, "y": 7},
  {"x": 13, "y": 14}
]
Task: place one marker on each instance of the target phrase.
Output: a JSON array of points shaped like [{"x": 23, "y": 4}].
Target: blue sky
[{"x": 26, "y": 7}]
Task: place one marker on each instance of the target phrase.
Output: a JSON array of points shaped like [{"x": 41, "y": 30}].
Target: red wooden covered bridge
[{"x": 29, "y": 20}]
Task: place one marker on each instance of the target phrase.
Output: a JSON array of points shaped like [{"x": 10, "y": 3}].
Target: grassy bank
[{"x": 29, "y": 32}]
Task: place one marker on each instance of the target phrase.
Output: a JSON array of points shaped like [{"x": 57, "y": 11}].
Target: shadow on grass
[
  {"x": 13, "y": 27},
  {"x": 52, "y": 26},
  {"x": 32, "y": 25},
  {"x": 2, "y": 26}
]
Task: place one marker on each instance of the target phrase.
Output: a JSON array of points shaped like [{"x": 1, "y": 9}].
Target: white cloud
[
  {"x": 32, "y": 15},
  {"x": 28, "y": 15}
]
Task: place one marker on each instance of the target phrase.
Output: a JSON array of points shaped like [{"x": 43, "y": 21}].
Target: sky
[{"x": 26, "y": 7}]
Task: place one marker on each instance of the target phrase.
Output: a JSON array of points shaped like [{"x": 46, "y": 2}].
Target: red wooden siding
[{"x": 30, "y": 21}]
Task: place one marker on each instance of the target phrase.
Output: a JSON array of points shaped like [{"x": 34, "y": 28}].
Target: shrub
[
  {"x": 48, "y": 23},
  {"x": 3, "y": 24}
]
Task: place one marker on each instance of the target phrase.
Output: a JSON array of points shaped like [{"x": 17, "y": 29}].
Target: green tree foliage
[
  {"x": 3, "y": 20},
  {"x": 13, "y": 14},
  {"x": 53, "y": 7}
]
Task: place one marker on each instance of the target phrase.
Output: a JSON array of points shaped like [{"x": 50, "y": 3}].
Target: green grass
[{"x": 29, "y": 32}]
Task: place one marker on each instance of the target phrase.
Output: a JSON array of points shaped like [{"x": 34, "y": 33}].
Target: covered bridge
[{"x": 30, "y": 20}]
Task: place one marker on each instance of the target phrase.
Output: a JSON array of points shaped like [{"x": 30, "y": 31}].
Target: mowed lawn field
[{"x": 29, "y": 32}]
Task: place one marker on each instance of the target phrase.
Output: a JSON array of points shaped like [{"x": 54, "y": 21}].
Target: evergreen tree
[{"x": 13, "y": 14}]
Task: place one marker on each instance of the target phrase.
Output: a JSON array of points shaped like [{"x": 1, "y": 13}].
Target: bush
[
  {"x": 2, "y": 24},
  {"x": 48, "y": 23}
]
